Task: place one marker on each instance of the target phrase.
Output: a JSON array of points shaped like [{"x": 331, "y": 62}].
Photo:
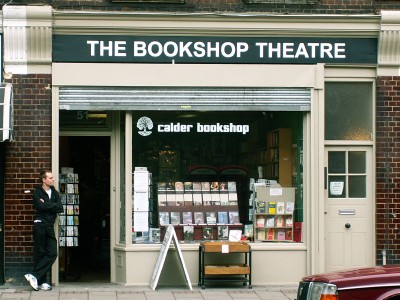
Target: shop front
[{"x": 212, "y": 117}]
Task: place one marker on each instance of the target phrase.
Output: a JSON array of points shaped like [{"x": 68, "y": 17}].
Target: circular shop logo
[{"x": 144, "y": 124}]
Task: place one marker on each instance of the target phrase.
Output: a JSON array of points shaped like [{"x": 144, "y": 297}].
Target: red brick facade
[
  {"x": 388, "y": 168},
  {"x": 25, "y": 157}
]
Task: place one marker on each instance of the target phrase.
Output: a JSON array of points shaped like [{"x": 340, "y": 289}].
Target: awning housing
[
  {"x": 185, "y": 98},
  {"x": 6, "y": 112}
]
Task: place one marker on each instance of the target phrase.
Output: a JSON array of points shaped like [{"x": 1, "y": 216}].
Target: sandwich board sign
[{"x": 170, "y": 235}]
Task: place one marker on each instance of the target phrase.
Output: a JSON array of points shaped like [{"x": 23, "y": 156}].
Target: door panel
[{"x": 349, "y": 218}]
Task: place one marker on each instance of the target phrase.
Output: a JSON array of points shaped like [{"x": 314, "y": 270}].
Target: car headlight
[{"x": 317, "y": 291}]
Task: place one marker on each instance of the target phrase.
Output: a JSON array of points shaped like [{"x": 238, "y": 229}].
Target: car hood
[{"x": 360, "y": 277}]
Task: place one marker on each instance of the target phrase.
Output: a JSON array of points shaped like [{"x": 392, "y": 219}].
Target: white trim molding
[
  {"x": 27, "y": 39},
  {"x": 389, "y": 44}
]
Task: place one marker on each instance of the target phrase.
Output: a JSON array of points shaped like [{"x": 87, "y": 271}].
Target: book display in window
[
  {"x": 198, "y": 204},
  {"x": 273, "y": 216},
  {"x": 69, "y": 219}
]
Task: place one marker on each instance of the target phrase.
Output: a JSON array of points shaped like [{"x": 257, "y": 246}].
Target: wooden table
[{"x": 239, "y": 272}]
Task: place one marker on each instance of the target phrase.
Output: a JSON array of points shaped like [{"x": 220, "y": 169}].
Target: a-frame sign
[{"x": 170, "y": 235}]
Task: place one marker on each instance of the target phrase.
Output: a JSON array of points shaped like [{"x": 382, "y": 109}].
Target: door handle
[{"x": 347, "y": 225}]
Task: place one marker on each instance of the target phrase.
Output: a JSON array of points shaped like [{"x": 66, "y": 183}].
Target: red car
[{"x": 376, "y": 283}]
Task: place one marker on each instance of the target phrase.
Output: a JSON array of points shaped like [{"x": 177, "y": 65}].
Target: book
[
  {"x": 179, "y": 193},
  {"x": 70, "y": 209},
  {"x": 270, "y": 222},
  {"x": 198, "y": 217},
  {"x": 207, "y": 233},
  {"x": 280, "y": 234},
  {"x": 188, "y": 232},
  {"x": 188, "y": 194},
  {"x": 179, "y": 199},
  {"x": 224, "y": 199},
  {"x": 196, "y": 186},
  {"x": 170, "y": 189},
  {"x": 260, "y": 221},
  {"x": 175, "y": 218},
  {"x": 70, "y": 230},
  {"x": 261, "y": 234},
  {"x": 223, "y": 193},
  {"x": 272, "y": 208},
  {"x": 279, "y": 221},
  {"x": 171, "y": 199},
  {"x": 223, "y": 232},
  {"x": 280, "y": 208},
  {"x": 223, "y": 217},
  {"x": 188, "y": 187},
  {"x": 260, "y": 207},
  {"x": 76, "y": 188},
  {"x": 270, "y": 236},
  {"x": 289, "y": 207},
  {"x": 63, "y": 188},
  {"x": 154, "y": 235},
  {"x": 162, "y": 198},
  {"x": 179, "y": 188},
  {"x": 248, "y": 231},
  {"x": 187, "y": 217},
  {"x": 214, "y": 188},
  {"x": 211, "y": 217},
  {"x": 197, "y": 199},
  {"x": 234, "y": 217},
  {"x": 289, "y": 235},
  {"x": 163, "y": 218},
  {"x": 288, "y": 221},
  {"x": 233, "y": 198},
  {"x": 70, "y": 198},
  {"x": 206, "y": 193},
  {"x": 232, "y": 186},
  {"x": 70, "y": 220}
]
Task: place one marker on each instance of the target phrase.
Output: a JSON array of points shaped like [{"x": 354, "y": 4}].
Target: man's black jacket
[{"x": 46, "y": 210}]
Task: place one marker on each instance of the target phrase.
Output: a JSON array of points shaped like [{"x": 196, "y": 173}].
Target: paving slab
[
  {"x": 16, "y": 296},
  {"x": 73, "y": 296},
  {"x": 131, "y": 296}
]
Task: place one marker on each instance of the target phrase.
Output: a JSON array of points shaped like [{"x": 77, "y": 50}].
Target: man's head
[{"x": 46, "y": 176}]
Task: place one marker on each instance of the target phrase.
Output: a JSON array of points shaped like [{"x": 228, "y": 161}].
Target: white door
[{"x": 349, "y": 219}]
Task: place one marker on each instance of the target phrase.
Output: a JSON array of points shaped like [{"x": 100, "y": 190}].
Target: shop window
[
  {"x": 348, "y": 111},
  {"x": 200, "y": 167}
]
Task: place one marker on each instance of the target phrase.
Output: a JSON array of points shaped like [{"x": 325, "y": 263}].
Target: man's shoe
[
  {"x": 45, "y": 287},
  {"x": 32, "y": 281}
]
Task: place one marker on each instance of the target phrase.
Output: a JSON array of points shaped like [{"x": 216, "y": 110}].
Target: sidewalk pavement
[{"x": 108, "y": 291}]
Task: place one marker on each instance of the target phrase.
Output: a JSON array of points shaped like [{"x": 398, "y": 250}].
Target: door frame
[
  {"x": 370, "y": 167},
  {"x": 56, "y": 166}
]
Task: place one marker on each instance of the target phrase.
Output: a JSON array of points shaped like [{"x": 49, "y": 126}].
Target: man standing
[{"x": 47, "y": 203}]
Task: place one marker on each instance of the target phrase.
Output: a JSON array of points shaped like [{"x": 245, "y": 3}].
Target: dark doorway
[{"x": 90, "y": 158}]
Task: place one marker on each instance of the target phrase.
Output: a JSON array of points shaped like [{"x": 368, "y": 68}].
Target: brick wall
[
  {"x": 322, "y": 7},
  {"x": 25, "y": 157},
  {"x": 388, "y": 168}
]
